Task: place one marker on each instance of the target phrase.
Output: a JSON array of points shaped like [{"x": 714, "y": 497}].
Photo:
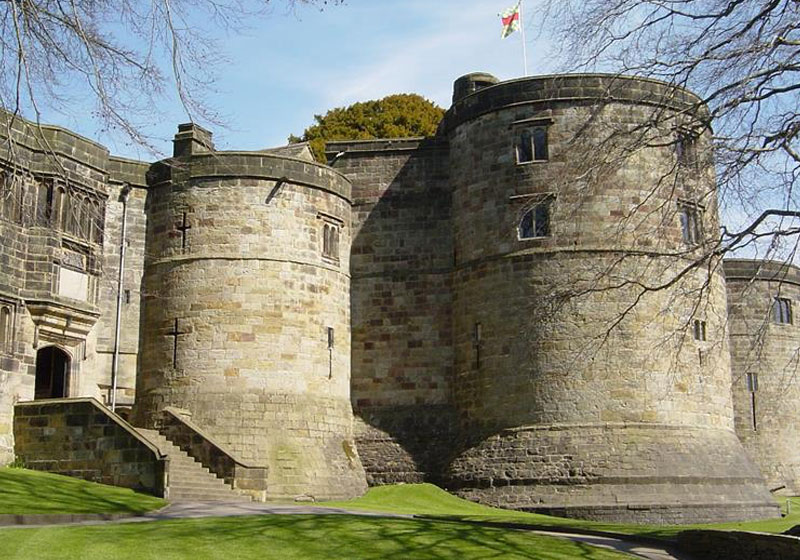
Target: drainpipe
[{"x": 123, "y": 197}]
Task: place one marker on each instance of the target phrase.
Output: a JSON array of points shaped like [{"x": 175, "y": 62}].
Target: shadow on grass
[
  {"x": 298, "y": 536},
  {"x": 24, "y": 491}
]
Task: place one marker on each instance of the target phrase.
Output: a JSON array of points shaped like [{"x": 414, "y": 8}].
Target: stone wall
[
  {"x": 82, "y": 438},
  {"x": 178, "y": 428},
  {"x": 623, "y": 472},
  {"x": 738, "y": 545},
  {"x": 54, "y": 271},
  {"x": 572, "y": 334},
  {"x": 401, "y": 265},
  {"x": 239, "y": 297},
  {"x": 122, "y": 172},
  {"x": 767, "y": 422}
]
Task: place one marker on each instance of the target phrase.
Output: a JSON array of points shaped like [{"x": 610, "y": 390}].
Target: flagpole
[{"x": 522, "y": 34}]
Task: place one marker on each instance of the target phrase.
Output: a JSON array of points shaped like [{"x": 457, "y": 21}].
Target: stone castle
[{"x": 455, "y": 309}]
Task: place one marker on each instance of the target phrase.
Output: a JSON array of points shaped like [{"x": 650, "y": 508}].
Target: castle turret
[
  {"x": 762, "y": 303},
  {"x": 591, "y": 363},
  {"x": 246, "y": 313}
]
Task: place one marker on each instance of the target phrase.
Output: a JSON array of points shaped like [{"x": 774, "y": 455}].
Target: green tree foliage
[{"x": 401, "y": 115}]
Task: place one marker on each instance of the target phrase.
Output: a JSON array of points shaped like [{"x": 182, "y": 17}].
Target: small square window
[
  {"x": 532, "y": 145},
  {"x": 699, "y": 328},
  {"x": 782, "y": 311},
  {"x": 535, "y": 222},
  {"x": 691, "y": 225}
]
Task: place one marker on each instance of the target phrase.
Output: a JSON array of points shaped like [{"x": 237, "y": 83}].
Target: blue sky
[{"x": 289, "y": 66}]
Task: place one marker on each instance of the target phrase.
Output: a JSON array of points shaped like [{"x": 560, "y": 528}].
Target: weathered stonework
[
  {"x": 557, "y": 411},
  {"x": 401, "y": 267},
  {"x": 82, "y": 438},
  {"x": 266, "y": 298},
  {"x": 58, "y": 260},
  {"x": 237, "y": 311},
  {"x": 765, "y": 352}
]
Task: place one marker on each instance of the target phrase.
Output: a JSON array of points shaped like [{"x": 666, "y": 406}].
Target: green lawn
[
  {"x": 26, "y": 491},
  {"x": 287, "y": 537},
  {"x": 431, "y": 501}
]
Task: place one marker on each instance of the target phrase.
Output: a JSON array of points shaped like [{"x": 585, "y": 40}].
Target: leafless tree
[
  {"x": 123, "y": 58},
  {"x": 742, "y": 57},
  {"x": 126, "y": 56}
]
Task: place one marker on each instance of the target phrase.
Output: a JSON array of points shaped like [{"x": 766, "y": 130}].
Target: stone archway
[{"x": 52, "y": 373}]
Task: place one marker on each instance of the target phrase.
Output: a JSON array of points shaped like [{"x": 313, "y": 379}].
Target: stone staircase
[{"x": 189, "y": 481}]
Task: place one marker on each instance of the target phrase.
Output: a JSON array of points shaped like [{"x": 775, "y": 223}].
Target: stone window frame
[
  {"x": 751, "y": 382},
  {"x": 8, "y": 315},
  {"x": 536, "y": 203},
  {"x": 12, "y": 204},
  {"x": 699, "y": 330},
  {"x": 77, "y": 211},
  {"x": 782, "y": 311},
  {"x": 686, "y": 155},
  {"x": 91, "y": 268},
  {"x": 690, "y": 217},
  {"x": 526, "y": 149},
  {"x": 330, "y": 237}
]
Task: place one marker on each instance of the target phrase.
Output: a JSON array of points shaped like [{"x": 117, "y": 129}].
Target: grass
[
  {"x": 291, "y": 537},
  {"x": 24, "y": 491},
  {"x": 433, "y": 502}
]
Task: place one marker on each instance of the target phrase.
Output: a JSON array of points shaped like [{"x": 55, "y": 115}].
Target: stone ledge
[
  {"x": 739, "y": 545},
  {"x": 11, "y": 519}
]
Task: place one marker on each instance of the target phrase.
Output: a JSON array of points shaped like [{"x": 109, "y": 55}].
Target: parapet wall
[{"x": 84, "y": 439}]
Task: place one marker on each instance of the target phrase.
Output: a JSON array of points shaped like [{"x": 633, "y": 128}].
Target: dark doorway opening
[{"x": 52, "y": 373}]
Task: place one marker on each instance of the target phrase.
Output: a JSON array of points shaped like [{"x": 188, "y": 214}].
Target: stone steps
[{"x": 189, "y": 481}]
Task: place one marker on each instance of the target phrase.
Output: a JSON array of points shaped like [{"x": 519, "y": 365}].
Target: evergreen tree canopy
[{"x": 401, "y": 115}]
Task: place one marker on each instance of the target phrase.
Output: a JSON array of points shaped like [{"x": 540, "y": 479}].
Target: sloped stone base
[{"x": 636, "y": 473}]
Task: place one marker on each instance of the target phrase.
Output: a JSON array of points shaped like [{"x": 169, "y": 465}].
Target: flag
[{"x": 510, "y": 19}]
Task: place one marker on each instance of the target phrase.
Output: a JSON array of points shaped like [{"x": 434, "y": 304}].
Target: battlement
[
  {"x": 478, "y": 94},
  {"x": 755, "y": 269}
]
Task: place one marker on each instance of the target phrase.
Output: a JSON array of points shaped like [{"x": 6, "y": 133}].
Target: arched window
[
  {"x": 97, "y": 222},
  {"x": 75, "y": 211},
  {"x": 59, "y": 200},
  {"x": 535, "y": 222},
  {"x": 782, "y": 311},
  {"x": 5, "y": 328},
  {"x": 13, "y": 197},
  {"x": 87, "y": 217},
  {"x": 532, "y": 145},
  {"x": 44, "y": 196},
  {"x": 330, "y": 241},
  {"x": 66, "y": 212}
]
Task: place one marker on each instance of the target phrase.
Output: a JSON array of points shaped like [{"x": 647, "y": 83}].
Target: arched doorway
[{"x": 52, "y": 373}]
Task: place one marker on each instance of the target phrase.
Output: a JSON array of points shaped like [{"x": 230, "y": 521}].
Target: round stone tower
[
  {"x": 762, "y": 302},
  {"x": 592, "y": 371},
  {"x": 245, "y": 320}
]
